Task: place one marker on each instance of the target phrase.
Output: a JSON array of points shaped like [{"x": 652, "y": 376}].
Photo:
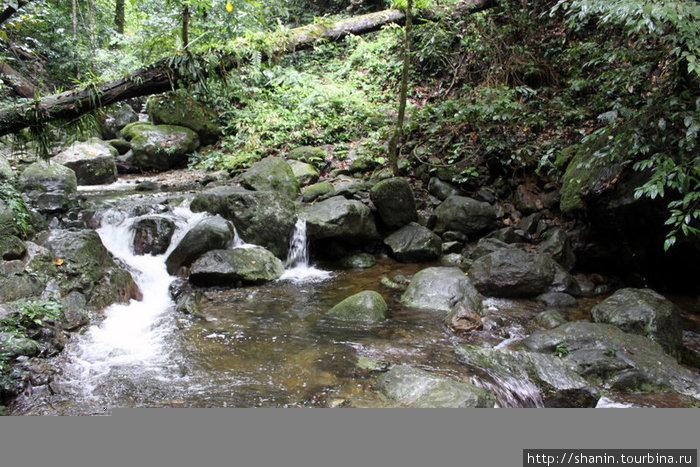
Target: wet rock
[
  {"x": 315, "y": 191},
  {"x": 74, "y": 308},
  {"x": 413, "y": 387},
  {"x": 508, "y": 235},
  {"x": 152, "y": 235},
  {"x": 442, "y": 190},
  {"x": 121, "y": 145},
  {"x": 486, "y": 246},
  {"x": 530, "y": 223},
  {"x": 13, "y": 344},
  {"x": 92, "y": 161},
  {"x": 644, "y": 312},
  {"x": 439, "y": 289},
  {"x": 585, "y": 173},
  {"x": 159, "y": 147},
  {"x": 452, "y": 247},
  {"x": 564, "y": 282},
  {"x": 414, "y": 243},
  {"x": 644, "y": 400},
  {"x": 341, "y": 219},
  {"x": 211, "y": 233},
  {"x": 557, "y": 300},
  {"x": 463, "y": 318},
  {"x": 264, "y": 218},
  {"x": 557, "y": 245},
  {"x": 187, "y": 298},
  {"x": 229, "y": 267},
  {"x": 6, "y": 172},
  {"x": 551, "y": 382},
  {"x": 455, "y": 259},
  {"x": 180, "y": 109},
  {"x": 147, "y": 185},
  {"x": 82, "y": 263},
  {"x": 48, "y": 177},
  {"x": 357, "y": 261},
  {"x": 119, "y": 116},
  {"x": 512, "y": 272},
  {"x": 549, "y": 319},
  {"x": 464, "y": 215},
  {"x": 18, "y": 286},
  {"x": 352, "y": 189},
  {"x": 394, "y": 201},
  {"x": 271, "y": 174},
  {"x": 306, "y": 174},
  {"x": 366, "y": 307},
  {"x": 604, "y": 354},
  {"x": 11, "y": 247}
]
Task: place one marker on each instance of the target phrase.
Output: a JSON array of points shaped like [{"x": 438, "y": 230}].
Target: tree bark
[
  {"x": 119, "y": 18},
  {"x": 9, "y": 11},
  {"x": 395, "y": 142},
  {"x": 161, "y": 76},
  {"x": 185, "y": 27},
  {"x": 21, "y": 85}
]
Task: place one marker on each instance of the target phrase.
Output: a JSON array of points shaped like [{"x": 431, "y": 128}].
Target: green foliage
[
  {"x": 562, "y": 350},
  {"x": 13, "y": 198}
]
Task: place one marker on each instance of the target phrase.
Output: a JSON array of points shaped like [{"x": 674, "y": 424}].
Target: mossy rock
[
  {"x": 160, "y": 147},
  {"x": 93, "y": 161},
  {"x": 46, "y": 176},
  {"x": 317, "y": 190},
  {"x": 181, "y": 109},
  {"x": 305, "y": 173},
  {"x": 11, "y": 247},
  {"x": 357, "y": 261},
  {"x": 586, "y": 173},
  {"x": 366, "y": 307},
  {"x": 271, "y": 174},
  {"x": 6, "y": 172},
  {"x": 309, "y": 154}
]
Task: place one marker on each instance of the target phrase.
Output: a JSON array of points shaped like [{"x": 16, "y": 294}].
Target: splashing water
[
  {"x": 297, "y": 264},
  {"x": 132, "y": 334}
]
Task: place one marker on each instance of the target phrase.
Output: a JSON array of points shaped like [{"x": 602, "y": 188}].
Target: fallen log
[{"x": 163, "y": 75}]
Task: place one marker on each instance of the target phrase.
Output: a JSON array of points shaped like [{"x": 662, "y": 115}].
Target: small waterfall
[
  {"x": 132, "y": 334},
  {"x": 297, "y": 264}
]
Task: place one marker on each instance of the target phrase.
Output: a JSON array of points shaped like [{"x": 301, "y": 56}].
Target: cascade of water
[
  {"x": 134, "y": 333},
  {"x": 298, "y": 268}
]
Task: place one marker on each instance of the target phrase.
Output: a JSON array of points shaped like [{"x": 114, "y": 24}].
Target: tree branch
[{"x": 9, "y": 11}]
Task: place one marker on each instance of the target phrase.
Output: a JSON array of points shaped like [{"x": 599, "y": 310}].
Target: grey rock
[
  {"x": 395, "y": 202},
  {"x": 365, "y": 307},
  {"x": 152, "y": 235},
  {"x": 439, "y": 289},
  {"x": 465, "y": 215},
  {"x": 414, "y": 243},
  {"x": 228, "y": 267},
  {"x": 211, "y": 233},
  {"x": 271, "y": 174},
  {"x": 512, "y": 272}
]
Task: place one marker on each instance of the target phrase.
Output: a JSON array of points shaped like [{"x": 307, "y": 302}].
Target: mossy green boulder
[
  {"x": 365, "y": 307},
  {"x": 159, "y": 147},
  {"x": 181, "y": 109},
  {"x": 271, "y": 174},
  {"x": 93, "y": 161}
]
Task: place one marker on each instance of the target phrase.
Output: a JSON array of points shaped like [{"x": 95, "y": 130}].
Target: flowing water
[{"x": 267, "y": 345}]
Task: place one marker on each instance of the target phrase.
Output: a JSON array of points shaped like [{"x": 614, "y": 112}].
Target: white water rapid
[
  {"x": 297, "y": 265},
  {"x": 132, "y": 334}
]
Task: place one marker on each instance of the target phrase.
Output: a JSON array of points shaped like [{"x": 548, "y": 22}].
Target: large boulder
[
  {"x": 94, "y": 162},
  {"x": 340, "y": 219},
  {"x": 644, "y": 312},
  {"x": 264, "y": 218},
  {"x": 306, "y": 174},
  {"x": 271, "y": 174},
  {"x": 439, "y": 289},
  {"x": 512, "y": 272},
  {"x": 529, "y": 379},
  {"x": 211, "y": 233},
  {"x": 117, "y": 118},
  {"x": 441, "y": 190},
  {"x": 365, "y": 307},
  {"x": 604, "y": 354},
  {"x": 465, "y": 215},
  {"x": 395, "y": 202},
  {"x": 412, "y": 387},
  {"x": 6, "y": 172},
  {"x": 414, "y": 243},
  {"x": 238, "y": 265},
  {"x": 159, "y": 147},
  {"x": 48, "y": 177},
  {"x": 317, "y": 190},
  {"x": 152, "y": 235},
  {"x": 82, "y": 263},
  {"x": 181, "y": 109},
  {"x": 557, "y": 245}
]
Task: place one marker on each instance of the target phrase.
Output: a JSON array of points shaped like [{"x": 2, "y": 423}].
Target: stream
[{"x": 256, "y": 346}]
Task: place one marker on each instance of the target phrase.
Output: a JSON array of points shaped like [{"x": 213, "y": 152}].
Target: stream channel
[{"x": 265, "y": 345}]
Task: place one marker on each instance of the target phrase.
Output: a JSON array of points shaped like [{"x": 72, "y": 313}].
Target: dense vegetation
[{"x": 517, "y": 89}]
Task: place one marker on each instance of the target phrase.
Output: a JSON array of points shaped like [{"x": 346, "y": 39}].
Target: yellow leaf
[
  {"x": 58, "y": 262},
  {"x": 252, "y": 262},
  {"x": 229, "y": 7}
]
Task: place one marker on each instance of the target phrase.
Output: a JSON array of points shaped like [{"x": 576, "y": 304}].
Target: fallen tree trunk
[
  {"x": 163, "y": 76},
  {"x": 21, "y": 85}
]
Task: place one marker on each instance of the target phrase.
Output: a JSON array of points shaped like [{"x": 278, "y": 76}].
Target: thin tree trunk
[
  {"x": 185, "y": 26},
  {"x": 396, "y": 140},
  {"x": 161, "y": 76},
  {"x": 119, "y": 17},
  {"x": 74, "y": 16},
  {"x": 91, "y": 23}
]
